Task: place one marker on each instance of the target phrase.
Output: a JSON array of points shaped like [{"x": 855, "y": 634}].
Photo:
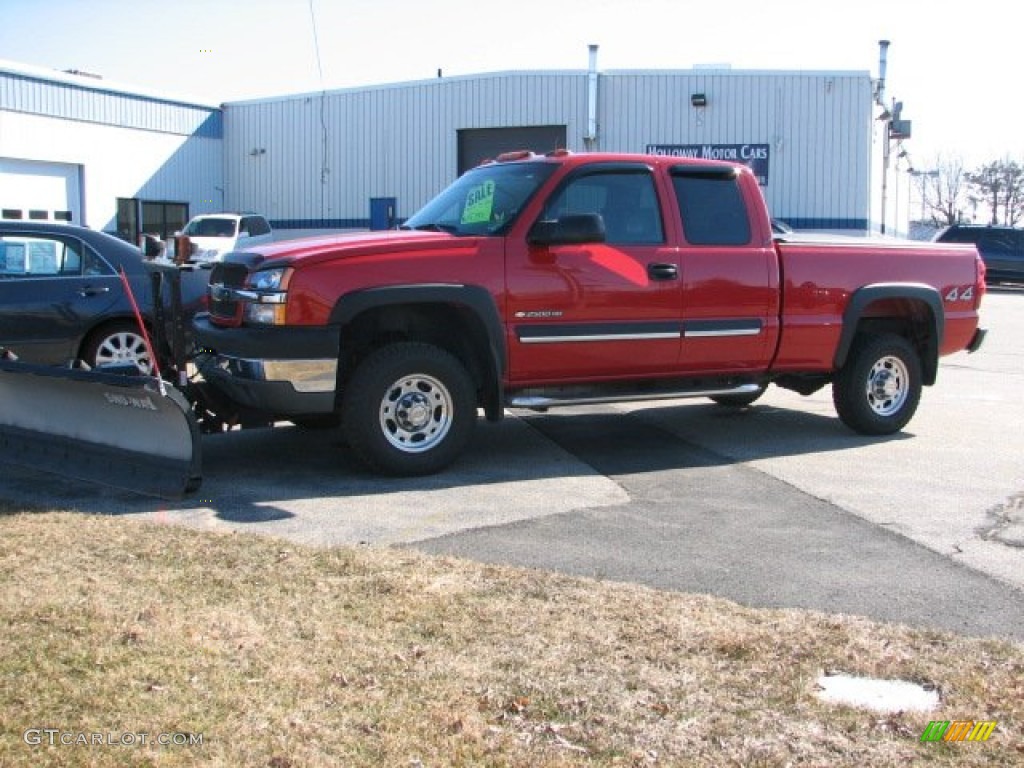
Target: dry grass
[{"x": 282, "y": 656}]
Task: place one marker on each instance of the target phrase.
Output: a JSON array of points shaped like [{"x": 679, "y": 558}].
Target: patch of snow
[{"x": 886, "y": 696}]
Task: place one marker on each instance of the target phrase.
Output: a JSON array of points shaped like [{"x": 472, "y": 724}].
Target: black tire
[
  {"x": 119, "y": 342},
  {"x": 409, "y": 409},
  {"x": 739, "y": 401},
  {"x": 877, "y": 391}
]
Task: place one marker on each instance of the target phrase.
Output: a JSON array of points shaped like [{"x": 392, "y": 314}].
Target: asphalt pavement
[{"x": 777, "y": 505}]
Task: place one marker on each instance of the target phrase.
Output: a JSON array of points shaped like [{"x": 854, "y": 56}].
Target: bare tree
[
  {"x": 950, "y": 194},
  {"x": 944, "y": 191}
]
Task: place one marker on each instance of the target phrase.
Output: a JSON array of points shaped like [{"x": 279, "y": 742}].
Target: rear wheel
[
  {"x": 118, "y": 343},
  {"x": 409, "y": 409},
  {"x": 877, "y": 391}
]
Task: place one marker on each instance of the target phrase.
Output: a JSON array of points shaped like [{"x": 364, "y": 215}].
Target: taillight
[{"x": 980, "y": 286}]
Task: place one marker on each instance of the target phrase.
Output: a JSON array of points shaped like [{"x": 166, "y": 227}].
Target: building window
[
  {"x": 163, "y": 219},
  {"x": 158, "y": 218}
]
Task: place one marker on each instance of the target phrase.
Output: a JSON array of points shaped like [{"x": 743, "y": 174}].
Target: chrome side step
[{"x": 540, "y": 399}]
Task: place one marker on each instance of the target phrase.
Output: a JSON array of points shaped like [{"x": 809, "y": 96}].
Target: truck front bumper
[{"x": 281, "y": 371}]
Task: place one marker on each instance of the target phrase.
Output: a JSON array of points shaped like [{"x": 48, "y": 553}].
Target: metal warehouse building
[{"x": 73, "y": 148}]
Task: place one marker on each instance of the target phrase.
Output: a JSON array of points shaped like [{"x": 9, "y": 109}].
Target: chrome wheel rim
[
  {"x": 124, "y": 347},
  {"x": 416, "y": 413},
  {"x": 888, "y": 386}
]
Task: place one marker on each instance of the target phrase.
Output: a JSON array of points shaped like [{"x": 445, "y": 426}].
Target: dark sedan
[{"x": 62, "y": 298}]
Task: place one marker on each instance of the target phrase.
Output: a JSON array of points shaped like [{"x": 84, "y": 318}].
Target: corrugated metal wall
[
  {"x": 79, "y": 101},
  {"x": 316, "y": 160},
  {"x": 817, "y": 127}
]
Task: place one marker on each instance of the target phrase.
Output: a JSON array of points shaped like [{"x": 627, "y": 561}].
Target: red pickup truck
[{"x": 541, "y": 281}]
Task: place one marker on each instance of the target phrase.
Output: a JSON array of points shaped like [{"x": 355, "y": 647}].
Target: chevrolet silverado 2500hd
[{"x": 542, "y": 281}]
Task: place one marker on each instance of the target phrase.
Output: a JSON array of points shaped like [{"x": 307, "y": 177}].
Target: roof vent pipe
[
  {"x": 883, "y": 60},
  {"x": 590, "y": 138}
]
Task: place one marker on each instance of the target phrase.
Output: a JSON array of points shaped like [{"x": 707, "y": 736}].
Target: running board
[{"x": 553, "y": 397}]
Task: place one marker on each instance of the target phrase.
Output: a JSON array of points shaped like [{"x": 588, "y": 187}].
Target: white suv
[{"x": 214, "y": 234}]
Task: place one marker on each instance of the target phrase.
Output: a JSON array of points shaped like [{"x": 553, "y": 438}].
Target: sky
[{"x": 956, "y": 66}]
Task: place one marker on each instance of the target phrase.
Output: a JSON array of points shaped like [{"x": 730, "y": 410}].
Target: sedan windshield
[
  {"x": 484, "y": 201},
  {"x": 210, "y": 228}
]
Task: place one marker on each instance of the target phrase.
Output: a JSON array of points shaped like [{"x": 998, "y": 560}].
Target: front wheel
[
  {"x": 877, "y": 391},
  {"x": 409, "y": 409}
]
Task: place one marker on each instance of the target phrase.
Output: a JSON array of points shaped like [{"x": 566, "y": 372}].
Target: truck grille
[{"x": 223, "y": 308}]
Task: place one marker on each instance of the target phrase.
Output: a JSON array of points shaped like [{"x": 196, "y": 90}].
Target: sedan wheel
[{"x": 118, "y": 345}]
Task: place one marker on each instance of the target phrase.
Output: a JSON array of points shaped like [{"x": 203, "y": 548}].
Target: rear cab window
[{"x": 711, "y": 206}]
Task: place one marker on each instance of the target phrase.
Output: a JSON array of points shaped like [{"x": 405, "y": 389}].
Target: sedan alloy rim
[{"x": 124, "y": 347}]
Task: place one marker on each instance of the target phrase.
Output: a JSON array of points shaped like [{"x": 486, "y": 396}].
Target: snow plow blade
[{"x": 100, "y": 427}]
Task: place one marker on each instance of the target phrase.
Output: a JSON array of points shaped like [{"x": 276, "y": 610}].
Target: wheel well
[
  {"x": 452, "y": 327},
  {"x": 910, "y": 318}
]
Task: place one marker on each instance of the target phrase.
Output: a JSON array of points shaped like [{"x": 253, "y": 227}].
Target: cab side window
[
  {"x": 627, "y": 201},
  {"x": 711, "y": 207}
]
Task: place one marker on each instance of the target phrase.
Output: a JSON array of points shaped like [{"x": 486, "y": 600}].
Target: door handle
[
  {"x": 662, "y": 271},
  {"x": 90, "y": 290}
]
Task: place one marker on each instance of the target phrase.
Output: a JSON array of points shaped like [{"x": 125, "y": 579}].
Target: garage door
[
  {"x": 477, "y": 145},
  {"x": 33, "y": 190}
]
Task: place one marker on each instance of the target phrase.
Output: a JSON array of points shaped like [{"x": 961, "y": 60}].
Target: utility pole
[{"x": 894, "y": 127}]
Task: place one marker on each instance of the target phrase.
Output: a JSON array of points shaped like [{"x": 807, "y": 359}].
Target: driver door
[{"x": 597, "y": 309}]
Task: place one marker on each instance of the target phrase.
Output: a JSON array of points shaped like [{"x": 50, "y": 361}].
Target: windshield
[
  {"x": 210, "y": 228},
  {"x": 484, "y": 201}
]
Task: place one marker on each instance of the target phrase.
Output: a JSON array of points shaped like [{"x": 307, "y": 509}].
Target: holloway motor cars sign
[{"x": 753, "y": 155}]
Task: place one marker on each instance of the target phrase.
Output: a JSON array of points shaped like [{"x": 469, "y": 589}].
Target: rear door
[
  {"x": 730, "y": 277},
  {"x": 52, "y": 289}
]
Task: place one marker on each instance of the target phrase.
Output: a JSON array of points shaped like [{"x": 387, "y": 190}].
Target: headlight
[
  {"x": 266, "y": 296},
  {"x": 270, "y": 279}
]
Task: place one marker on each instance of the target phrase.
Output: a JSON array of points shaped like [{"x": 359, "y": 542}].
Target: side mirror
[{"x": 574, "y": 229}]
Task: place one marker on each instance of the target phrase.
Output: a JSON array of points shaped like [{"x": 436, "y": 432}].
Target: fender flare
[
  {"x": 476, "y": 299},
  {"x": 863, "y": 297}
]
